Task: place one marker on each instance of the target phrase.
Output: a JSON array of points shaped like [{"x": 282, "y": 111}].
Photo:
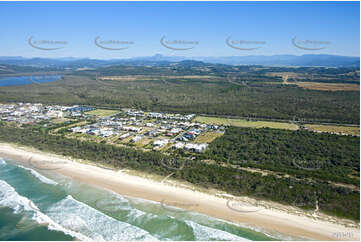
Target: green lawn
[
  {"x": 103, "y": 112},
  {"x": 207, "y": 137}
]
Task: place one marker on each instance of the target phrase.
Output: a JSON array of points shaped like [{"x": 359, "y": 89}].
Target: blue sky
[{"x": 208, "y": 23}]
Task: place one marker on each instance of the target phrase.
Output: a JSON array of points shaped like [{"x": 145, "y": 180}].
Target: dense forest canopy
[
  {"x": 327, "y": 157},
  {"x": 250, "y": 97}
]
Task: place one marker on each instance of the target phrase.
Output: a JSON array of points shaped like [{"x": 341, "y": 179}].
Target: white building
[
  {"x": 160, "y": 142},
  {"x": 136, "y": 138},
  {"x": 195, "y": 147},
  {"x": 178, "y": 145},
  {"x": 124, "y": 136}
]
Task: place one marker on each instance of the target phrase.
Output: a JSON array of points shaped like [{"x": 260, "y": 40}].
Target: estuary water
[{"x": 26, "y": 80}]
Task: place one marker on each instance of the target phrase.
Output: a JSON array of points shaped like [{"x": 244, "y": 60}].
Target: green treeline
[
  {"x": 339, "y": 201},
  {"x": 327, "y": 157}
]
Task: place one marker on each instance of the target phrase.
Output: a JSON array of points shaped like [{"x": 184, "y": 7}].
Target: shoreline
[{"x": 268, "y": 218}]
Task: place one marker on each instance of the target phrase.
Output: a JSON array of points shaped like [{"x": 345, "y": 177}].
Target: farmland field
[
  {"x": 245, "y": 123},
  {"x": 329, "y": 86},
  {"x": 334, "y": 129},
  {"x": 153, "y": 77}
]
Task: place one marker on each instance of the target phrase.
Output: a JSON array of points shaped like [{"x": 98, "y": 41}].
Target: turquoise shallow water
[{"x": 38, "y": 205}]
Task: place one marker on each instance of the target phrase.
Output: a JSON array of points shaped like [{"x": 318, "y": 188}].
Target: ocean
[
  {"x": 26, "y": 80},
  {"x": 42, "y": 205}
]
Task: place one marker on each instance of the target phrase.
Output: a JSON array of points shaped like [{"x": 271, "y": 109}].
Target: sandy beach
[{"x": 269, "y": 217}]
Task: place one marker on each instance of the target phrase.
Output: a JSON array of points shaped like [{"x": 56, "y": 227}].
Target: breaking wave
[
  {"x": 206, "y": 233},
  {"x": 39, "y": 176},
  {"x": 10, "y": 198},
  {"x": 88, "y": 221}
]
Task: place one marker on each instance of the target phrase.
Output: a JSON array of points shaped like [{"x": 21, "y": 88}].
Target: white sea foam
[
  {"x": 200, "y": 232},
  {"x": 2, "y": 161},
  {"x": 272, "y": 234},
  {"x": 10, "y": 198},
  {"x": 135, "y": 213},
  {"x": 206, "y": 233},
  {"x": 86, "y": 220},
  {"x": 122, "y": 203},
  {"x": 39, "y": 176}
]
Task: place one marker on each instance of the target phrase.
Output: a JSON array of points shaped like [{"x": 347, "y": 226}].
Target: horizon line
[{"x": 180, "y": 56}]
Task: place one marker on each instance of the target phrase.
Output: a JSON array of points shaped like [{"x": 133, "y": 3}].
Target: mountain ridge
[{"x": 273, "y": 60}]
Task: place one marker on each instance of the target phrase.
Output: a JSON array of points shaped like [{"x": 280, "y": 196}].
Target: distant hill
[
  {"x": 161, "y": 60},
  {"x": 274, "y": 60},
  {"x": 289, "y": 60}
]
